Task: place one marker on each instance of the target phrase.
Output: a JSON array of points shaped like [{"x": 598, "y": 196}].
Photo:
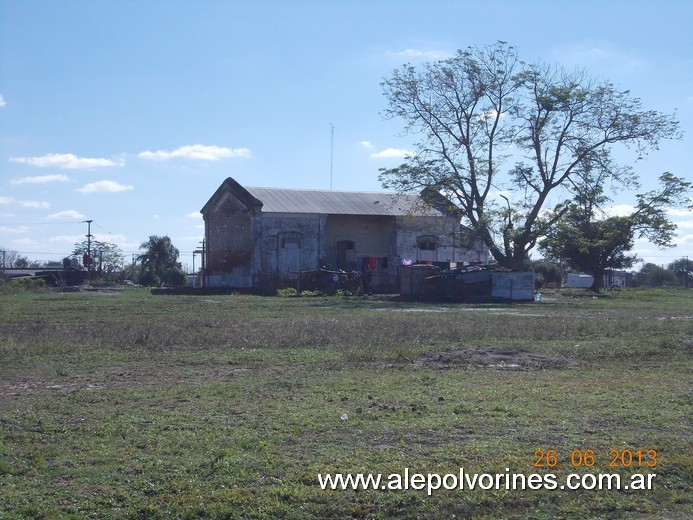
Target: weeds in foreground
[{"x": 124, "y": 405}]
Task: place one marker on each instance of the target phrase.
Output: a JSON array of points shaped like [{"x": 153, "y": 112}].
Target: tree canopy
[
  {"x": 160, "y": 262},
  {"x": 683, "y": 270},
  {"x": 484, "y": 108},
  {"x": 105, "y": 256},
  {"x": 588, "y": 242}
]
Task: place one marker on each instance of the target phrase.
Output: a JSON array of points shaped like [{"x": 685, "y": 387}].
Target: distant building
[
  {"x": 54, "y": 277},
  {"x": 255, "y": 237},
  {"x": 579, "y": 280},
  {"x": 616, "y": 278},
  {"x": 612, "y": 278}
]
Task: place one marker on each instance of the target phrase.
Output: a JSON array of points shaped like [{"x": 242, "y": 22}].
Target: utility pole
[
  {"x": 202, "y": 252},
  {"x": 194, "y": 273},
  {"x": 331, "y": 152},
  {"x": 88, "y": 222}
]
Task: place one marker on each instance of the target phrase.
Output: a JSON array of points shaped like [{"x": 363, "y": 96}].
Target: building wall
[
  {"x": 372, "y": 236},
  {"x": 229, "y": 244},
  {"x": 249, "y": 249},
  {"x": 413, "y": 232},
  {"x": 286, "y": 243},
  {"x": 364, "y": 243}
]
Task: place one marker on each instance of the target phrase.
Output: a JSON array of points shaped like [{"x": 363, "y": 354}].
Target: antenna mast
[{"x": 331, "y": 152}]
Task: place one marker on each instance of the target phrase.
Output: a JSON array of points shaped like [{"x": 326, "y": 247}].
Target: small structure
[
  {"x": 466, "y": 283},
  {"x": 53, "y": 277},
  {"x": 615, "y": 278},
  {"x": 512, "y": 286},
  {"x": 612, "y": 278},
  {"x": 263, "y": 238},
  {"x": 578, "y": 280}
]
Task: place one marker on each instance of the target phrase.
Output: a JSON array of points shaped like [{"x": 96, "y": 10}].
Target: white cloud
[
  {"x": 194, "y": 214},
  {"x": 35, "y": 204},
  {"x": 489, "y": 114},
  {"x": 419, "y": 54},
  {"x": 66, "y": 161},
  {"x": 18, "y": 229},
  {"x": 41, "y": 179},
  {"x": 591, "y": 54},
  {"x": 2, "y": 101},
  {"x": 619, "y": 210},
  {"x": 197, "y": 152},
  {"x": 68, "y": 214},
  {"x": 104, "y": 187},
  {"x": 685, "y": 240},
  {"x": 680, "y": 212},
  {"x": 367, "y": 144},
  {"x": 70, "y": 239},
  {"x": 684, "y": 224},
  {"x": 390, "y": 153},
  {"x": 25, "y": 203},
  {"x": 25, "y": 242}
]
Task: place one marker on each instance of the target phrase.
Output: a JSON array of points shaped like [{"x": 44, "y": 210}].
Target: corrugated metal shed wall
[{"x": 277, "y": 200}]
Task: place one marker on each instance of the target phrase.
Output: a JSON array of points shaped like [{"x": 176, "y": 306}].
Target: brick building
[{"x": 257, "y": 234}]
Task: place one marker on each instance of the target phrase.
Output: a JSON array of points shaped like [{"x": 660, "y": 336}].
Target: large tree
[
  {"x": 104, "y": 257},
  {"x": 484, "y": 108},
  {"x": 588, "y": 241},
  {"x": 160, "y": 262},
  {"x": 12, "y": 259},
  {"x": 683, "y": 270},
  {"x": 653, "y": 275}
]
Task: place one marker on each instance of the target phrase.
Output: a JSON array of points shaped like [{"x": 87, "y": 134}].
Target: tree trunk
[{"x": 598, "y": 280}]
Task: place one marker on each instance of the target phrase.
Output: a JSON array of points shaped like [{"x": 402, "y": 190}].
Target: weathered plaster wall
[
  {"x": 246, "y": 247},
  {"x": 410, "y": 229},
  {"x": 271, "y": 230},
  {"x": 372, "y": 235}
]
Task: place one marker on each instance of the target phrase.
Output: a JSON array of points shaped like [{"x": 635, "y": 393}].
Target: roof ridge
[{"x": 318, "y": 190}]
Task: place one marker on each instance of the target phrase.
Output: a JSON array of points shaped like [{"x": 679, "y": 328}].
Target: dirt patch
[{"x": 497, "y": 359}]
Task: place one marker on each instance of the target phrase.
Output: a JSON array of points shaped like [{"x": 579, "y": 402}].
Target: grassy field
[{"x": 130, "y": 405}]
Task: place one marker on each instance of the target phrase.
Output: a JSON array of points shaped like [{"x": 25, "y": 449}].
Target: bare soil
[{"x": 505, "y": 359}]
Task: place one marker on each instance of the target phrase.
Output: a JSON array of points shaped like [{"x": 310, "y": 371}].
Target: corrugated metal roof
[{"x": 277, "y": 200}]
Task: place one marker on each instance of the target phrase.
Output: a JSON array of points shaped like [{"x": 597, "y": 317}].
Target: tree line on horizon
[
  {"x": 155, "y": 266},
  {"x": 158, "y": 265},
  {"x": 525, "y": 154}
]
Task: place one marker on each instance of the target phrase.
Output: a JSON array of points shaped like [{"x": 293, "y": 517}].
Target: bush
[{"x": 23, "y": 284}]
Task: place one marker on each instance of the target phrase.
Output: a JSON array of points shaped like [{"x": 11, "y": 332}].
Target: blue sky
[{"x": 131, "y": 113}]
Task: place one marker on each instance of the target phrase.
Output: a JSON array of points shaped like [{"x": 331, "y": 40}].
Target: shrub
[{"x": 23, "y": 284}]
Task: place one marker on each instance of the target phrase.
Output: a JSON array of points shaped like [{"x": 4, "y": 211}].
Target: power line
[{"x": 46, "y": 223}]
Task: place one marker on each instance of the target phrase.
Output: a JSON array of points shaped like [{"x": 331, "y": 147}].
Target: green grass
[{"x": 129, "y": 405}]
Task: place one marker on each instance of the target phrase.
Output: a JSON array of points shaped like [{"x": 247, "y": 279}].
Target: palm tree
[{"x": 160, "y": 262}]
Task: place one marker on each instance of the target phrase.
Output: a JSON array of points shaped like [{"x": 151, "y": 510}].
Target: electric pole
[
  {"x": 202, "y": 252},
  {"x": 331, "y": 152},
  {"x": 88, "y": 222}
]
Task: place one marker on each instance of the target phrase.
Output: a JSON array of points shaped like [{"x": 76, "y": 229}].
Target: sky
[{"x": 132, "y": 113}]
